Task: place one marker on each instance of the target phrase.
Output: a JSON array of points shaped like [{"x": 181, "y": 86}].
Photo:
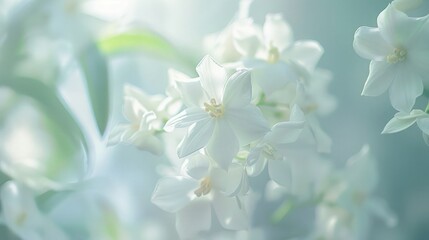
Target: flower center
[
  {"x": 273, "y": 55},
  {"x": 215, "y": 110},
  {"x": 398, "y": 55},
  {"x": 205, "y": 187}
]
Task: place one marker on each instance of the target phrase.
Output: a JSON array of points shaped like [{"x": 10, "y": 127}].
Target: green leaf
[
  {"x": 146, "y": 41},
  {"x": 52, "y": 104},
  {"x": 95, "y": 69}
]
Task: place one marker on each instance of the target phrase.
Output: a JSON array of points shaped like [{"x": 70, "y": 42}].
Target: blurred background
[{"x": 124, "y": 177}]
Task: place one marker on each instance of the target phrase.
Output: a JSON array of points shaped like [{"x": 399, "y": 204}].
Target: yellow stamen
[{"x": 215, "y": 110}]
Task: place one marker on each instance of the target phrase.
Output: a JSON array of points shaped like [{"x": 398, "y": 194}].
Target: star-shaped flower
[
  {"x": 220, "y": 115},
  {"x": 399, "y": 54}
]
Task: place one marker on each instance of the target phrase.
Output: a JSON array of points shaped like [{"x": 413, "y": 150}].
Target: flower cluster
[
  {"x": 399, "y": 52},
  {"x": 253, "y": 106}
]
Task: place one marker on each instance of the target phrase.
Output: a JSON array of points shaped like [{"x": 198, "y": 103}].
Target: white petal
[
  {"x": 197, "y": 137},
  {"x": 397, "y": 124},
  {"x": 380, "y": 77},
  {"x": 406, "y": 87},
  {"x": 191, "y": 91},
  {"x": 423, "y": 124},
  {"x": 280, "y": 172},
  {"x": 172, "y": 194},
  {"x": 238, "y": 90},
  {"x": 237, "y": 181},
  {"x": 248, "y": 123},
  {"x": 272, "y": 77},
  {"x": 306, "y": 53},
  {"x": 213, "y": 77},
  {"x": 246, "y": 37},
  {"x": 223, "y": 145},
  {"x": 186, "y": 118},
  {"x": 194, "y": 218},
  {"x": 285, "y": 132},
  {"x": 323, "y": 141},
  {"x": 370, "y": 44},
  {"x": 148, "y": 142},
  {"x": 229, "y": 213},
  {"x": 257, "y": 166},
  {"x": 397, "y": 28},
  {"x": 277, "y": 32},
  {"x": 132, "y": 109},
  {"x": 196, "y": 166}
]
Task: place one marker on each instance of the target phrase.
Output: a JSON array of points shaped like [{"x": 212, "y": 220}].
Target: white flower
[
  {"x": 192, "y": 196},
  {"x": 270, "y": 150},
  {"x": 142, "y": 127},
  {"x": 22, "y": 216},
  {"x": 399, "y": 56},
  {"x": 402, "y": 121},
  {"x": 348, "y": 204},
  {"x": 220, "y": 116},
  {"x": 276, "y": 60}
]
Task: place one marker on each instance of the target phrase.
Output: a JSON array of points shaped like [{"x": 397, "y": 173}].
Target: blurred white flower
[
  {"x": 271, "y": 149},
  {"x": 143, "y": 126},
  {"x": 275, "y": 59},
  {"x": 22, "y": 216},
  {"x": 399, "y": 56},
  {"x": 202, "y": 187},
  {"x": 220, "y": 116}
]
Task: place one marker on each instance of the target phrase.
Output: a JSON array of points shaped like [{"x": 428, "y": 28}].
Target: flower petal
[
  {"x": 247, "y": 122},
  {"x": 193, "y": 219},
  {"x": 423, "y": 124},
  {"x": 277, "y": 32},
  {"x": 370, "y": 44},
  {"x": 238, "y": 90},
  {"x": 197, "y": 137},
  {"x": 223, "y": 145},
  {"x": 186, "y": 118},
  {"x": 397, "y": 124},
  {"x": 213, "y": 77},
  {"x": 287, "y": 132},
  {"x": 229, "y": 212},
  {"x": 379, "y": 79},
  {"x": 172, "y": 194},
  {"x": 397, "y": 28},
  {"x": 190, "y": 89},
  {"x": 305, "y": 53},
  {"x": 272, "y": 77},
  {"x": 406, "y": 87},
  {"x": 280, "y": 172},
  {"x": 246, "y": 37},
  {"x": 196, "y": 166}
]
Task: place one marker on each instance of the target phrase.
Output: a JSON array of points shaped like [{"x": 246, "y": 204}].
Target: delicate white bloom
[
  {"x": 399, "y": 56},
  {"x": 219, "y": 116},
  {"x": 402, "y": 121},
  {"x": 143, "y": 124},
  {"x": 192, "y": 196},
  {"x": 270, "y": 150},
  {"x": 348, "y": 204},
  {"x": 21, "y": 215},
  {"x": 276, "y": 60}
]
